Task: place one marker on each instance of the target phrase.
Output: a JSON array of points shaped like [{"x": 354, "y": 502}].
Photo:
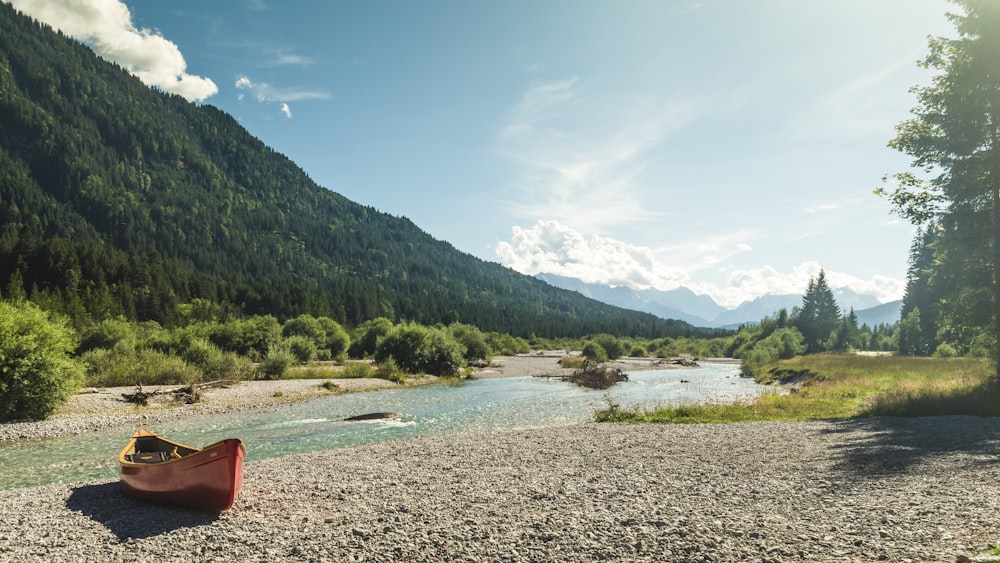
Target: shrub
[
  {"x": 573, "y": 362},
  {"x": 387, "y": 369},
  {"x": 476, "y": 348},
  {"x": 106, "y": 334},
  {"x": 123, "y": 366},
  {"x": 611, "y": 345},
  {"x": 276, "y": 364},
  {"x": 356, "y": 370},
  {"x": 945, "y": 350},
  {"x": 301, "y": 348},
  {"x": 419, "y": 349},
  {"x": 368, "y": 336},
  {"x": 506, "y": 345},
  {"x": 303, "y": 325},
  {"x": 37, "y": 374},
  {"x": 335, "y": 338},
  {"x": 440, "y": 354},
  {"x": 594, "y": 351},
  {"x": 253, "y": 337}
]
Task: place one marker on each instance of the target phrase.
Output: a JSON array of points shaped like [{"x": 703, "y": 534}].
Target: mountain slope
[{"x": 116, "y": 199}]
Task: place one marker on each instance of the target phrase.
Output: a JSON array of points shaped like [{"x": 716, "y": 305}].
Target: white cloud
[
  {"x": 554, "y": 248},
  {"x": 284, "y": 58},
  {"x": 286, "y": 111},
  {"x": 264, "y": 92},
  {"x": 107, "y": 26}
]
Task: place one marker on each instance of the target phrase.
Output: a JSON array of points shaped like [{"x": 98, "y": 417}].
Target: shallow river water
[{"x": 482, "y": 404}]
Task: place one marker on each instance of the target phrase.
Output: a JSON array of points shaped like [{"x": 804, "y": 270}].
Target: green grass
[{"x": 841, "y": 386}]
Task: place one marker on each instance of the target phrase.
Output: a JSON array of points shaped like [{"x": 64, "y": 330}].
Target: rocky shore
[
  {"x": 867, "y": 490},
  {"x": 100, "y": 409}
]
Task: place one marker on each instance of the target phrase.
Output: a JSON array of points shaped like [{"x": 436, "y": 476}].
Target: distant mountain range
[{"x": 701, "y": 310}]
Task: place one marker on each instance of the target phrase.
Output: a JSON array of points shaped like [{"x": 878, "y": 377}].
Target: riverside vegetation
[{"x": 842, "y": 386}]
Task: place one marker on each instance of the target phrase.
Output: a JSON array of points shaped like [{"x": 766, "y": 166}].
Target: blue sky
[{"x": 728, "y": 146}]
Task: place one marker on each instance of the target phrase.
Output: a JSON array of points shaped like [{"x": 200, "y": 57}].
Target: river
[{"x": 476, "y": 405}]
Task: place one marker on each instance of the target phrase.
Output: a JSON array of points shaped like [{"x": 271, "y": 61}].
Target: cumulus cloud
[
  {"x": 554, "y": 248},
  {"x": 286, "y": 111},
  {"x": 551, "y": 247},
  {"x": 107, "y": 26}
]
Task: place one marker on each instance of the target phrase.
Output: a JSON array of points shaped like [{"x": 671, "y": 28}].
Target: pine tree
[{"x": 820, "y": 315}]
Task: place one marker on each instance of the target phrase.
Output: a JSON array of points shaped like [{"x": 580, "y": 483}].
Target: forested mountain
[{"x": 117, "y": 199}]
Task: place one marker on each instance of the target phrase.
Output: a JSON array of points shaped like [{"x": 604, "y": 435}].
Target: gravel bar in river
[{"x": 925, "y": 489}]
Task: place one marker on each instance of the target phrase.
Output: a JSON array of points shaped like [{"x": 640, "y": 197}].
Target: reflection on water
[{"x": 484, "y": 404}]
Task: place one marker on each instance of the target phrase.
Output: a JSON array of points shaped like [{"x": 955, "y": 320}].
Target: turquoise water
[{"x": 483, "y": 404}]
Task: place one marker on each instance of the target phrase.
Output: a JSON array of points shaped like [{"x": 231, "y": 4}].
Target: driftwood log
[{"x": 189, "y": 394}]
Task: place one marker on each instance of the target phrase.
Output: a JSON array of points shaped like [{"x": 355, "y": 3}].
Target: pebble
[{"x": 877, "y": 489}]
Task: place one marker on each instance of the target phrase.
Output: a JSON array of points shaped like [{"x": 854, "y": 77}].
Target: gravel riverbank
[
  {"x": 879, "y": 489},
  {"x": 868, "y": 490}
]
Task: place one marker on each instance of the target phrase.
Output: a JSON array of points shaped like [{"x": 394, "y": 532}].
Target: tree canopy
[{"x": 954, "y": 139}]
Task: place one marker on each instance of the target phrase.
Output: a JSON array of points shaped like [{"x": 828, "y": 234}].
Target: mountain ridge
[{"x": 701, "y": 310}]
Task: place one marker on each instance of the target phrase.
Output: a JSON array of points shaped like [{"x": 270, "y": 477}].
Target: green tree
[
  {"x": 367, "y": 337},
  {"x": 335, "y": 338},
  {"x": 955, "y": 144},
  {"x": 922, "y": 293},
  {"x": 476, "y": 348},
  {"x": 37, "y": 374},
  {"x": 820, "y": 314}
]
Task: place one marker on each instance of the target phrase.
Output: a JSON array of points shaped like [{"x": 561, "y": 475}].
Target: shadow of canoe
[{"x": 127, "y": 517}]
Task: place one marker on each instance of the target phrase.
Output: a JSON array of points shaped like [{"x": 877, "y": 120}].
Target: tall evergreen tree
[
  {"x": 954, "y": 139},
  {"x": 820, "y": 314},
  {"x": 921, "y": 295}
]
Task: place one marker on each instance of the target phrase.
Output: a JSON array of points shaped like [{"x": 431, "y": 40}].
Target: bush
[
  {"x": 388, "y": 370},
  {"x": 419, "y": 349},
  {"x": 123, "y": 367},
  {"x": 594, "y": 351},
  {"x": 945, "y": 350},
  {"x": 368, "y": 336},
  {"x": 37, "y": 374},
  {"x": 276, "y": 364},
  {"x": 303, "y": 325},
  {"x": 638, "y": 352},
  {"x": 106, "y": 334},
  {"x": 253, "y": 337},
  {"x": 356, "y": 370},
  {"x": 440, "y": 354},
  {"x": 506, "y": 345},
  {"x": 572, "y": 362},
  {"x": 611, "y": 344},
  {"x": 335, "y": 338},
  {"x": 301, "y": 348},
  {"x": 476, "y": 348}
]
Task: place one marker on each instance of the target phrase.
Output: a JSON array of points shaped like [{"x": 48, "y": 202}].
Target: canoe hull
[{"x": 208, "y": 478}]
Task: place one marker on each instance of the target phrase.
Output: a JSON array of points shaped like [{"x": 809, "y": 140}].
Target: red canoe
[{"x": 156, "y": 469}]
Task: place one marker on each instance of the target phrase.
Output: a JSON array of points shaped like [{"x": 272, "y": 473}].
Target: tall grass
[{"x": 840, "y": 386}]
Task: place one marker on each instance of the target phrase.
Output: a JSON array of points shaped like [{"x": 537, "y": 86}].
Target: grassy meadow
[{"x": 841, "y": 386}]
